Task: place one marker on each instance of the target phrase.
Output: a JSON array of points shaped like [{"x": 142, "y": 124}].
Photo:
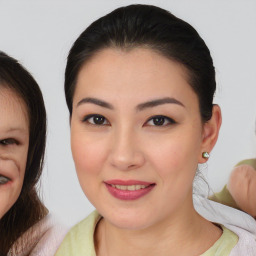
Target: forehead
[
  {"x": 137, "y": 61},
  {"x": 13, "y": 114},
  {"x": 140, "y": 70}
]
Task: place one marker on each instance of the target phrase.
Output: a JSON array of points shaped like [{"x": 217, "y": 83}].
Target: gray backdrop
[{"x": 40, "y": 33}]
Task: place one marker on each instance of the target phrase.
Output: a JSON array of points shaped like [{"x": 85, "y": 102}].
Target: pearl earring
[{"x": 205, "y": 155}]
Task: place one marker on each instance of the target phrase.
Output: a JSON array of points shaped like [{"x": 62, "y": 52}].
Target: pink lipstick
[{"x": 128, "y": 190}]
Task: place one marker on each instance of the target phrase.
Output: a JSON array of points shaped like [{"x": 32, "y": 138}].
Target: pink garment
[{"x": 43, "y": 239}]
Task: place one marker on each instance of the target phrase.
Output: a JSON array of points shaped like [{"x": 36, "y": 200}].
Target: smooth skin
[
  {"x": 135, "y": 117},
  {"x": 14, "y": 141}
]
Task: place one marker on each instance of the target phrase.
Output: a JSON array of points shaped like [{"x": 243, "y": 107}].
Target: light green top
[
  {"x": 223, "y": 245},
  {"x": 80, "y": 240}
]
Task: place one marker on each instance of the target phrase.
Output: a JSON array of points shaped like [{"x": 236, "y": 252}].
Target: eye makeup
[
  {"x": 160, "y": 121},
  {"x": 95, "y": 119}
]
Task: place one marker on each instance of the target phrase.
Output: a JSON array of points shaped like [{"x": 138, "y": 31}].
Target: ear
[{"x": 210, "y": 133}]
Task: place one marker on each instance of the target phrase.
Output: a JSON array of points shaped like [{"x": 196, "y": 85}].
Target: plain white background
[{"x": 40, "y": 33}]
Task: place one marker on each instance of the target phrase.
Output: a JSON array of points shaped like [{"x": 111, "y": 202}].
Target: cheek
[
  {"x": 23, "y": 163},
  {"x": 176, "y": 166},
  {"x": 173, "y": 155},
  {"x": 7, "y": 199},
  {"x": 10, "y": 192},
  {"x": 88, "y": 154}
]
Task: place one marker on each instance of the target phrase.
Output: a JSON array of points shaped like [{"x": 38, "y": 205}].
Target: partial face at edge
[
  {"x": 14, "y": 142},
  {"x": 242, "y": 186},
  {"x": 136, "y": 121}
]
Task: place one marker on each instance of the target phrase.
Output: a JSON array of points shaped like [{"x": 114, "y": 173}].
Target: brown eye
[
  {"x": 96, "y": 120},
  {"x": 6, "y": 142},
  {"x": 160, "y": 121}
]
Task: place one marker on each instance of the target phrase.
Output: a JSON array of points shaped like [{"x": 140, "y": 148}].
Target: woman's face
[
  {"x": 136, "y": 137},
  {"x": 14, "y": 141}
]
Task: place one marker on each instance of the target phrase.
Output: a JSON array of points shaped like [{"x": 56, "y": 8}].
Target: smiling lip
[{"x": 128, "y": 190}]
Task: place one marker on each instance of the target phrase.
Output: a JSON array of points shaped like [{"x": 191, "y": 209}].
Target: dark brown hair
[
  {"x": 154, "y": 28},
  {"x": 28, "y": 209}
]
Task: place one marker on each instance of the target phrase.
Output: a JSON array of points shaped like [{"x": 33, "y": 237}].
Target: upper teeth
[{"x": 131, "y": 187}]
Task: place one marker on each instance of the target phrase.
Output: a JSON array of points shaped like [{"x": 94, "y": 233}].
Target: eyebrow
[
  {"x": 157, "y": 102},
  {"x": 140, "y": 107},
  {"x": 95, "y": 101},
  {"x": 16, "y": 129}
]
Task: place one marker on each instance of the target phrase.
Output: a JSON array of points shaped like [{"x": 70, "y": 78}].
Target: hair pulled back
[{"x": 153, "y": 28}]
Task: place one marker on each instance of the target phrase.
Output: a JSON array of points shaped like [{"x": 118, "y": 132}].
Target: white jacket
[{"x": 237, "y": 221}]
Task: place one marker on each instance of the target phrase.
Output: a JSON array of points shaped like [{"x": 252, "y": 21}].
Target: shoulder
[
  {"x": 52, "y": 234},
  {"x": 240, "y": 223},
  {"x": 224, "y": 244},
  {"x": 246, "y": 242},
  {"x": 42, "y": 239},
  {"x": 79, "y": 240},
  {"x": 225, "y": 215}
]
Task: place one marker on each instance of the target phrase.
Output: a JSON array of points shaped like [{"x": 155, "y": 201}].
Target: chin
[{"x": 128, "y": 221}]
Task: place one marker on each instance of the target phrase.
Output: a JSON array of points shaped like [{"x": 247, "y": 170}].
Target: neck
[{"x": 183, "y": 233}]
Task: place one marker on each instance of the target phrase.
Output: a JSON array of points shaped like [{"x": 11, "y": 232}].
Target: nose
[{"x": 126, "y": 153}]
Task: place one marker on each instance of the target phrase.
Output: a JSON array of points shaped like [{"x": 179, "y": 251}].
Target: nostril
[{"x": 127, "y": 163}]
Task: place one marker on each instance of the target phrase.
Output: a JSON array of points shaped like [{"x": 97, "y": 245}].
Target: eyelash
[
  {"x": 94, "y": 116},
  {"x": 8, "y": 141},
  {"x": 164, "y": 120},
  {"x": 161, "y": 118}
]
